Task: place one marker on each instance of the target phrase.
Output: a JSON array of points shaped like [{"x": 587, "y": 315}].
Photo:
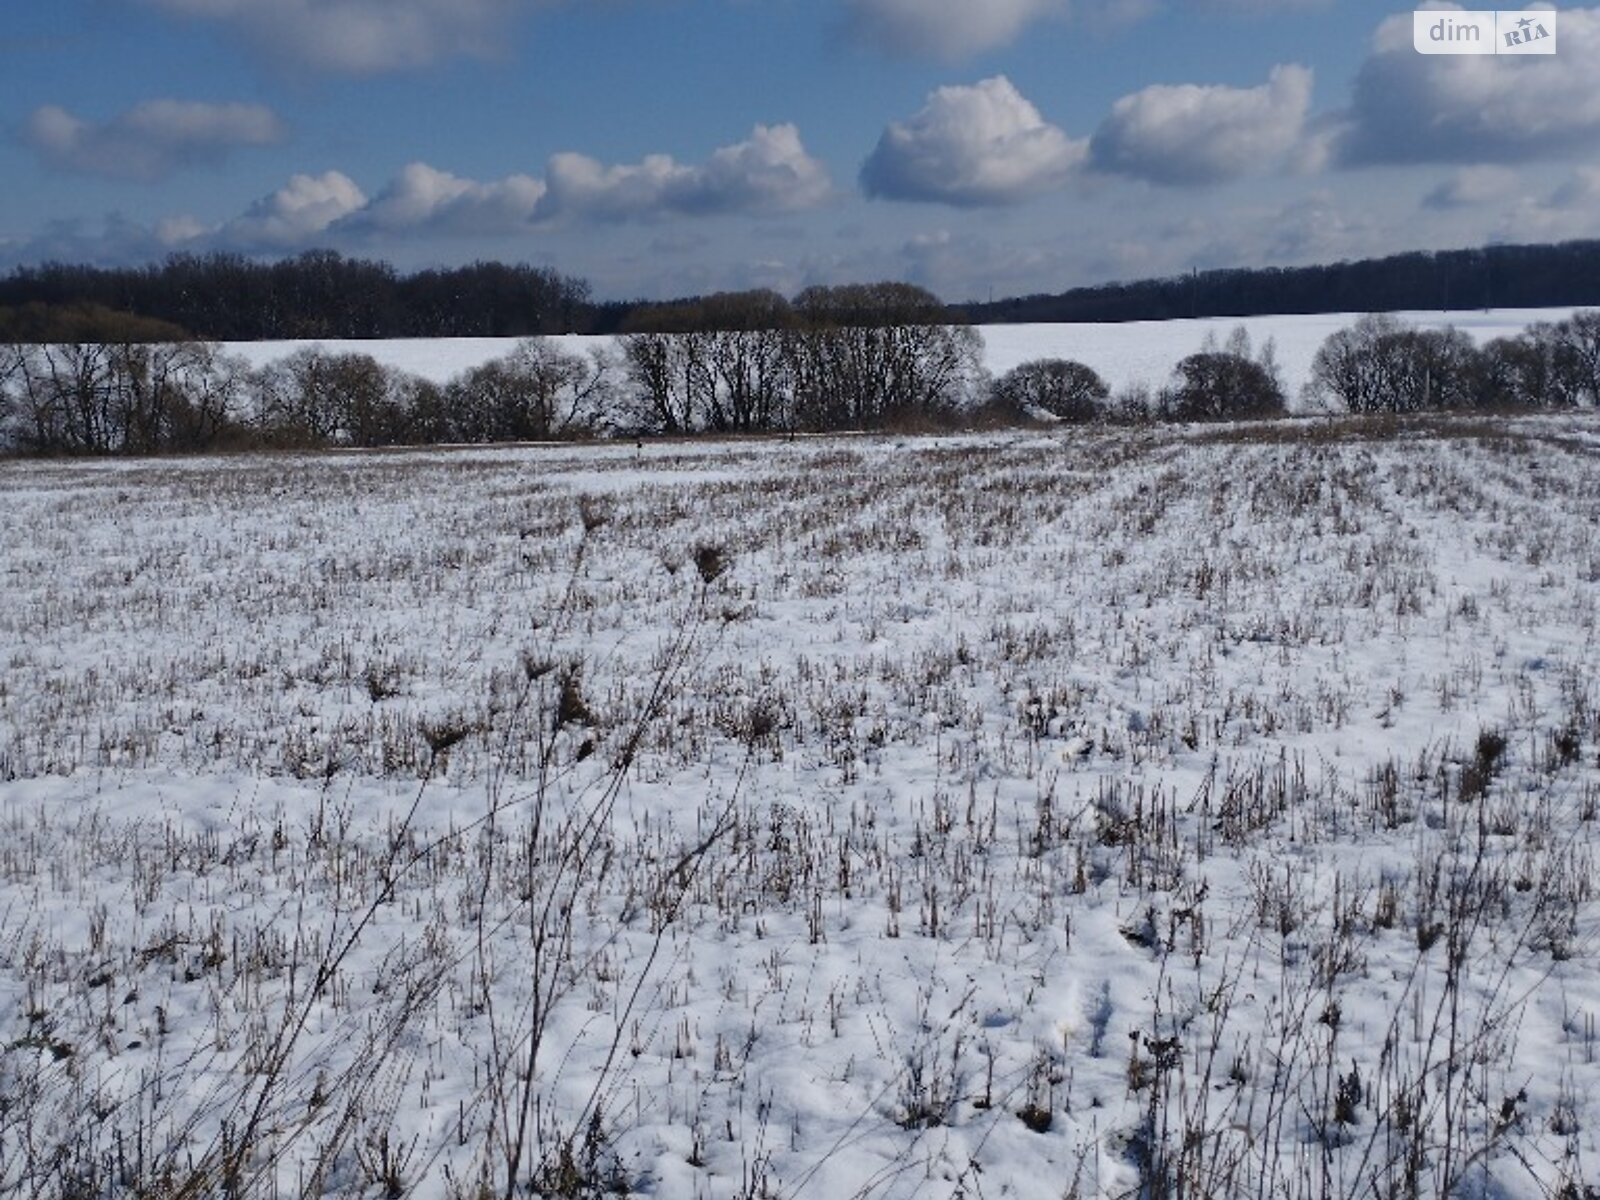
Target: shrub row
[
  {"x": 848, "y": 357},
  {"x": 1378, "y": 365},
  {"x": 860, "y": 357},
  {"x": 1381, "y": 365}
]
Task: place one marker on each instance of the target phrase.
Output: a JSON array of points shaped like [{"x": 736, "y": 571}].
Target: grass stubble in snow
[{"x": 1175, "y": 812}]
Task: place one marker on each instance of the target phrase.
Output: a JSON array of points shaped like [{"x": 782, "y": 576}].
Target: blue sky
[{"x": 663, "y": 147}]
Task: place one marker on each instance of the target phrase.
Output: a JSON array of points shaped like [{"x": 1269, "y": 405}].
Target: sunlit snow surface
[{"x": 1128, "y": 781}]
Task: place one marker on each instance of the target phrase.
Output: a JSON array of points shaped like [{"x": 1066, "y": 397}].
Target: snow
[
  {"x": 435, "y": 359},
  {"x": 1131, "y": 781},
  {"x": 1125, "y": 354}
]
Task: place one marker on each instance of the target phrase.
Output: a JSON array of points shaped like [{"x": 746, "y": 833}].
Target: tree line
[
  {"x": 322, "y": 294},
  {"x": 109, "y": 398},
  {"x": 851, "y": 357},
  {"x": 1384, "y": 365},
  {"x": 319, "y": 294},
  {"x": 862, "y": 357},
  {"x": 1379, "y": 365},
  {"x": 1565, "y": 275}
]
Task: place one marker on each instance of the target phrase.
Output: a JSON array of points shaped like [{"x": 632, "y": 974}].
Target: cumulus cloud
[
  {"x": 296, "y": 214},
  {"x": 424, "y": 199},
  {"x": 151, "y": 140},
  {"x": 1415, "y": 108},
  {"x": 768, "y": 172},
  {"x": 1189, "y": 134},
  {"x": 971, "y": 146},
  {"x": 361, "y": 37}
]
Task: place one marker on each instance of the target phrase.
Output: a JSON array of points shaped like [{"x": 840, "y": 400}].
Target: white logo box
[{"x": 1484, "y": 31}]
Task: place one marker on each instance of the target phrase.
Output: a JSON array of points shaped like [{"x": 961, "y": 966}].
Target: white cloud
[
  {"x": 971, "y": 146},
  {"x": 424, "y": 199},
  {"x": 578, "y": 185},
  {"x": 1189, "y": 134},
  {"x": 768, "y": 172},
  {"x": 1470, "y": 187},
  {"x": 1572, "y": 210},
  {"x": 1319, "y": 228},
  {"x": 1581, "y": 190},
  {"x": 151, "y": 140},
  {"x": 175, "y": 231},
  {"x": 959, "y": 29},
  {"x": 117, "y": 242},
  {"x": 296, "y": 214},
  {"x": 361, "y": 37},
  {"x": 1413, "y": 108}
]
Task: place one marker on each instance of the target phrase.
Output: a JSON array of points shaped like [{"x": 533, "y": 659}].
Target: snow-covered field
[
  {"x": 1191, "y": 811},
  {"x": 1129, "y": 354}
]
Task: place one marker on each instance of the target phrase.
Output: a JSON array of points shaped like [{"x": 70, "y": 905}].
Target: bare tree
[
  {"x": 65, "y": 397},
  {"x": 1066, "y": 390},
  {"x": 169, "y": 395},
  {"x": 868, "y": 353},
  {"x": 212, "y": 402},
  {"x": 1537, "y": 368},
  {"x": 295, "y": 400},
  {"x": 10, "y": 405},
  {"x": 536, "y": 392},
  {"x": 1346, "y": 370},
  {"x": 560, "y": 393},
  {"x": 671, "y": 378},
  {"x": 1221, "y": 385},
  {"x": 1382, "y": 365},
  {"x": 314, "y": 397},
  {"x": 844, "y": 357},
  {"x": 1580, "y": 335},
  {"x": 744, "y": 350}
]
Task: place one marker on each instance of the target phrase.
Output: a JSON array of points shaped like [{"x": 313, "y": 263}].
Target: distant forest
[
  {"x": 322, "y": 294},
  {"x": 317, "y": 295},
  {"x": 1564, "y": 275}
]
